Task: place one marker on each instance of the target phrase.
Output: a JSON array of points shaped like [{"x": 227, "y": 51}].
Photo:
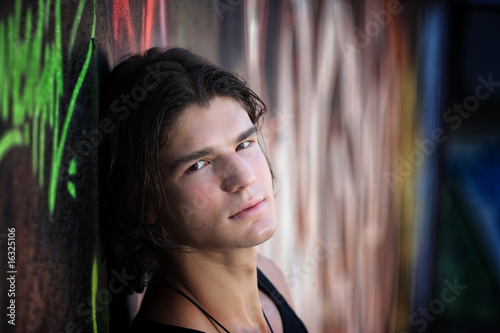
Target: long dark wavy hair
[{"x": 145, "y": 94}]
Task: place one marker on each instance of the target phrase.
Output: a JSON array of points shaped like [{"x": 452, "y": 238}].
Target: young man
[{"x": 190, "y": 193}]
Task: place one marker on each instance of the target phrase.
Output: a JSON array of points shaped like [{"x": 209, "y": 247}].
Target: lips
[{"x": 250, "y": 208}]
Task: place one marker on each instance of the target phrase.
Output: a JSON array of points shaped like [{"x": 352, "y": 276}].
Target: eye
[
  {"x": 243, "y": 145},
  {"x": 197, "y": 166}
]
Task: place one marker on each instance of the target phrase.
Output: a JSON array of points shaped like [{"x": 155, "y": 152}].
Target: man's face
[{"x": 217, "y": 182}]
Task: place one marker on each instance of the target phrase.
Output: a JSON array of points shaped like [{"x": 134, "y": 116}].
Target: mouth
[{"x": 249, "y": 209}]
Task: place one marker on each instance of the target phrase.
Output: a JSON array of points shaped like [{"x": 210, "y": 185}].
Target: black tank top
[{"x": 291, "y": 323}]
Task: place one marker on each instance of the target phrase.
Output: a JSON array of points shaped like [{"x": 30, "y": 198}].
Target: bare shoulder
[{"x": 276, "y": 276}]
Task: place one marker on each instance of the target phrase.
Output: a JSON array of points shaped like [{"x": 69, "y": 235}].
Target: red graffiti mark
[
  {"x": 154, "y": 10},
  {"x": 153, "y": 26},
  {"x": 163, "y": 22},
  {"x": 123, "y": 29}
]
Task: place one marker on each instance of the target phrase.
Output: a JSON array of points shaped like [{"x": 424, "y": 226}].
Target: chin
[{"x": 262, "y": 230}]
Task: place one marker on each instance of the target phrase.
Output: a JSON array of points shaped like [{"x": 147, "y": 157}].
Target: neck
[
  {"x": 204, "y": 271},
  {"x": 224, "y": 283}
]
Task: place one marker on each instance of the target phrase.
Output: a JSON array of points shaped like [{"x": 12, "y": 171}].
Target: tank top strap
[{"x": 291, "y": 323}]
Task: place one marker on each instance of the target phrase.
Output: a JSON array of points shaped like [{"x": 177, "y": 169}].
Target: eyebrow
[{"x": 177, "y": 163}]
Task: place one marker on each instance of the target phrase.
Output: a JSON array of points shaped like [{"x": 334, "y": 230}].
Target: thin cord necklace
[{"x": 203, "y": 310}]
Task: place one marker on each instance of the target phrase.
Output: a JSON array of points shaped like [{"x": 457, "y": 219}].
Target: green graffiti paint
[
  {"x": 56, "y": 165},
  {"x": 30, "y": 101},
  {"x": 95, "y": 284},
  {"x": 3, "y": 89},
  {"x": 9, "y": 140},
  {"x": 54, "y": 171},
  {"x": 72, "y": 189},
  {"x": 74, "y": 28},
  {"x": 59, "y": 149},
  {"x": 72, "y": 167},
  {"x": 31, "y": 65},
  {"x": 72, "y": 172},
  {"x": 41, "y": 145}
]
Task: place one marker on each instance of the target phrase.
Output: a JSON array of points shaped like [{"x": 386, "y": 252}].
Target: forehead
[{"x": 200, "y": 126}]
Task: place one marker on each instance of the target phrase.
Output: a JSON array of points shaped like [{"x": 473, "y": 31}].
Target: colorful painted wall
[{"x": 383, "y": 129}]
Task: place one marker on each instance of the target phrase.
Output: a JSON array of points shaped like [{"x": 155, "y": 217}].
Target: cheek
[
  {"x": 190, "y": 206},
  {"x": 262, "y": 167}
]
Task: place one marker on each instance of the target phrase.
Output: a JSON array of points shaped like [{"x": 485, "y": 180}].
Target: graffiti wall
[
  {"x": 50, "y": 65},
  {"x": 358, "y": 130}
]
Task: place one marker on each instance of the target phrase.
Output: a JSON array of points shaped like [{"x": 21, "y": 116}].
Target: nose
[{"x": 237, "y": 174}]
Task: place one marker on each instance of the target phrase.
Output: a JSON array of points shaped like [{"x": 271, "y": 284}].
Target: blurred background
[{"x": 383, "y": 127}]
